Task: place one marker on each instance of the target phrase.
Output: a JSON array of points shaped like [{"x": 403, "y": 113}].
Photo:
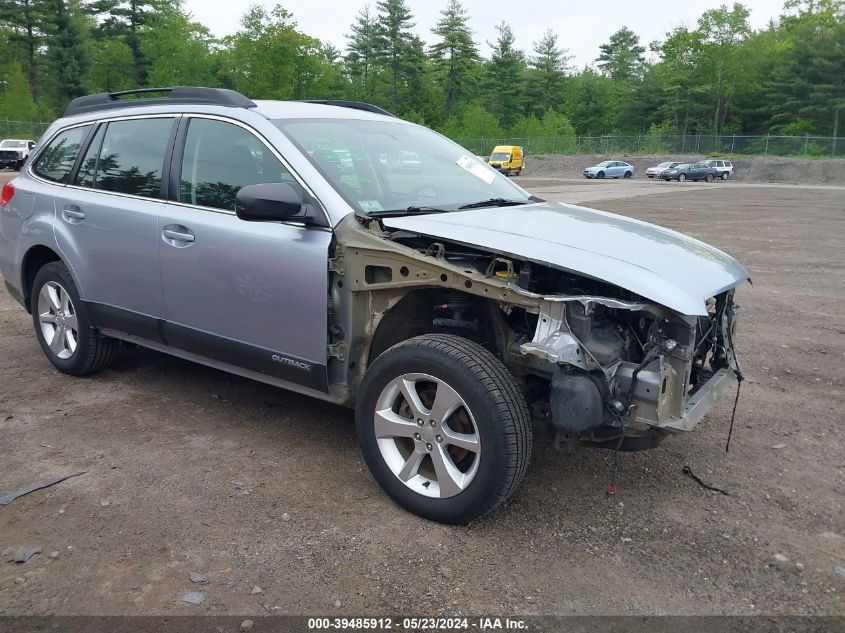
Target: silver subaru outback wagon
[{"x": 282, "y": 241}]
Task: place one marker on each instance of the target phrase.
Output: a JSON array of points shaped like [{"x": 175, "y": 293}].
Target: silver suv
[{"x": 285, "y": 242}]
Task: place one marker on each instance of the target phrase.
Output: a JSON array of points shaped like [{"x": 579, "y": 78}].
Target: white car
[
  {"x": 13, "y": 152},
  {"x": 724, "y": 168},
  {"x": 654, "y": 172}
]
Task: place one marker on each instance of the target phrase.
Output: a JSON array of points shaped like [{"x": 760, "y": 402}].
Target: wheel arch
[
  {"x": 414, "y": 315},
  {"x": 35, "y": 259}
]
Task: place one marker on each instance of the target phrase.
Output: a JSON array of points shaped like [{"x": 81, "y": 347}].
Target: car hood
[{"x": 665, "y": 266}]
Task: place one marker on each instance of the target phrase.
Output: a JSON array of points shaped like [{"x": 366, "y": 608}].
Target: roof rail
[
  {"x": 355, "y": 105},
  {"x": 176, "y": 95}
]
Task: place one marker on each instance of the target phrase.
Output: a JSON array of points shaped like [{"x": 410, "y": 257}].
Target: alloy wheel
[
  {"x": 427, "y": 435},
  {"x": 57, "y": 317}
]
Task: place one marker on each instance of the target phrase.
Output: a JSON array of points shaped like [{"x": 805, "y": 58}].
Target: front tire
[
  {"x": 600, "y": 174},
  {"x": 682, "y": 178},
  {"x": 63, "y": 327},
  {"x": 443, "y": 427}
]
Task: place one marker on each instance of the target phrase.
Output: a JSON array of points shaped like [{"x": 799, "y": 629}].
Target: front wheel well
[
  {"x": 439, "y": 311},
  {"x": 33, "y": 261}
]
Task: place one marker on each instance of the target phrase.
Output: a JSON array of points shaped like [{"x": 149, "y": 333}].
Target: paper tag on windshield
[
  {"x": 476, "y": 169},
  {"x": 370, "y": 205}
]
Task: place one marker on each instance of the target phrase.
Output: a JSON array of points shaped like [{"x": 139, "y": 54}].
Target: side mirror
[{"x": 267, "y": 202}]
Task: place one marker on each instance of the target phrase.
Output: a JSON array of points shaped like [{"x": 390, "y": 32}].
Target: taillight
[{"x": 8, "y": 192}]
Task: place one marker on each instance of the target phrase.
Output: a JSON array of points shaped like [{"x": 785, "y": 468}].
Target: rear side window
[
  {"x": 220, "y": 158},
  {"x": 127, "y": 157},
  {"x": 56, "y": 160}
]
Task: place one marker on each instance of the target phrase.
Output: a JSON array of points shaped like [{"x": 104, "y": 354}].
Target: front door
[{"x": 249, "y": 294}]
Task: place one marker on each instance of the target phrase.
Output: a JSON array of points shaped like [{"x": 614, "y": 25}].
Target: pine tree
[
  {"x": 504, "y": 77},
  {"x": 548, "y": 69},
  {"x": 360, "y": 59},
  {"x": 127, "y": 19},
  {"x": 622, "y": 56},
  {"x": 455, "y": 54},
  {"x": 393, "y": 37},
  {"x": 67, "y": 53},
  {"x": 25, "y": 20}
]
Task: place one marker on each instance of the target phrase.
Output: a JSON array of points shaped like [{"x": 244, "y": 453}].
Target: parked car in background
[
  {"x": 13, "y": 152},
  {"x": 694, "y": 171},
  {"x": 610, "y": 169},
  {"x": 651, "y": 172},
  {"x": 724, "y": 168},
  {"x": 508, "y": 159},
  {"x": 275, "y": 240}
]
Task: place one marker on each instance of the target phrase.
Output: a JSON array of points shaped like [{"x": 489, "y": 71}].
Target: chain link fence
[
  {"x": 638, "y": 144},
  {"x": 612, "y": 144},
  {"x": 22, "y": 129}
]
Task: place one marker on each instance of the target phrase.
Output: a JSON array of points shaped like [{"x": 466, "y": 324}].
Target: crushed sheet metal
[{"x": 8, "y": 498}]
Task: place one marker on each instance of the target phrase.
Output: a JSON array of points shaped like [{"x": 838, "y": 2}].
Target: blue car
[{"x": 610, "y": 169}]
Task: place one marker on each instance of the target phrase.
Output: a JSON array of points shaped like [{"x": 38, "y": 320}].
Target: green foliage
[
  {"x": 504, "y": 87},
  {"x": 16, "y": 101},
  {"x": 549, "y": 66},
  {"x": 67, "y": 56},
  {"x": 454, "y": 55},
  {"x": 718, "y": 77},
  {"x": 621, "y": 57}
]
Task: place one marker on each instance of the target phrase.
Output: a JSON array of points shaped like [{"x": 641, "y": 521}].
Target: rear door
[
  {"x": 107, "y": 222},
  {"x": 249, "y": 294}
]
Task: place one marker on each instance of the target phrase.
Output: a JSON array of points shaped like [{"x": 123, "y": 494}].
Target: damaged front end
[
  {"x": 604, "y": 366},
  {"x": 626, "y": 373}
]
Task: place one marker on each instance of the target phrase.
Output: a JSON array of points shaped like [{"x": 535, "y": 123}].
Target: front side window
[
  {"x": 56, "y": 161},
  {"x": 364, "y": 161},
  {"x": 220, "y": 158},
  {"x": 128, "y": 157}
]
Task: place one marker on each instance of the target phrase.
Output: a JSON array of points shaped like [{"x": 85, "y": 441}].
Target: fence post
[
  {"x": 767, "y": 145},
  {"x": 806, "y": 143},
  {"x": 553, "y": 145},
  {"x": 733, "y": 141}
]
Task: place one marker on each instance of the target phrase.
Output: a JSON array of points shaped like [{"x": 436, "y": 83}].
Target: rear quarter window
[{"x": 56, "y": 160}]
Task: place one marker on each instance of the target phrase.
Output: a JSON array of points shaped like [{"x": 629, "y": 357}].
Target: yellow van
[{"x": 507, "y": 159}]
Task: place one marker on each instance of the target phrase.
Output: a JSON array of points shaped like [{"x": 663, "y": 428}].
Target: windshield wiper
[
  {"x": 395, "y": 213},
  {"x": 492, "y": 202}
]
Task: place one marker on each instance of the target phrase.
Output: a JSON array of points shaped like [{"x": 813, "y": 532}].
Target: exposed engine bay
[{"x": 603, "y": 366}]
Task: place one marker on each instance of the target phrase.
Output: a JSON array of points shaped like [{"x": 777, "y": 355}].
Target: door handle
[
  {"x": 177, "y": 234},
  {"x": 72, "y": 212}
]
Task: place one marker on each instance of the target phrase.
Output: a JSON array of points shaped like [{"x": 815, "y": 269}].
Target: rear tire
[
  {"x": 63, "y": 326},
  {"x": 628, "y": 174},
  {"x": 724, "y": 175},
  {"x": 710, "y": 178},
  {"x": 416, "y": 401},
  {"x": 682, "y": 178}
]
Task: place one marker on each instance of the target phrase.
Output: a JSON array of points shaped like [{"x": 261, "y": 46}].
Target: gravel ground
[{"x": 263, "y": 491}]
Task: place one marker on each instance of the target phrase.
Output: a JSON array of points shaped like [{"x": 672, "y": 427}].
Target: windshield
[
  {"x": 500, "y": 156},
  {"x": 13, "y": 144},
  {"x": 665, "y": 165},
  {"x": 366, "y": 162}
]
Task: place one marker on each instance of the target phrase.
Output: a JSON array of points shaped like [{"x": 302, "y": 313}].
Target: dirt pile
[{"x": 757, "y": 169}]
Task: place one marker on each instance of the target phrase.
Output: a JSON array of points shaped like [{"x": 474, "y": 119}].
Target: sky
[{"x": 581, "y": 26}]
